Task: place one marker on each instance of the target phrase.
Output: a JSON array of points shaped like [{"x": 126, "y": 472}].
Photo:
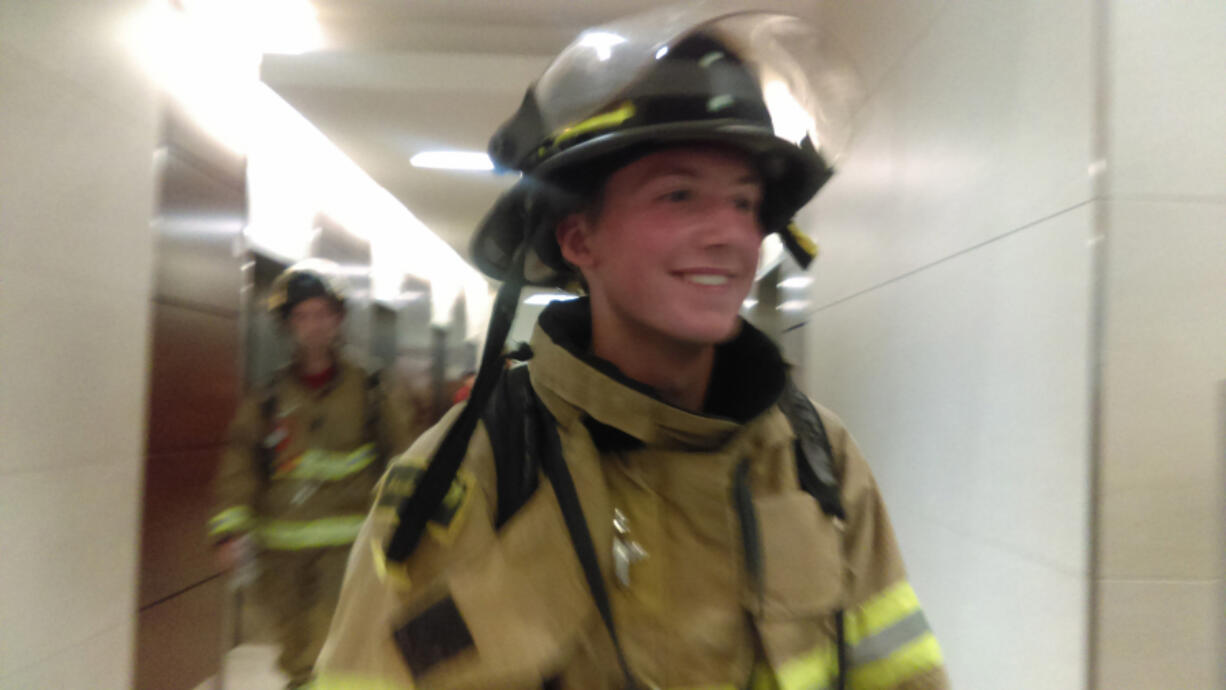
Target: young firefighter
[
  {"x": 648, "y": 503},
  {"x": 304, "y": 454}
]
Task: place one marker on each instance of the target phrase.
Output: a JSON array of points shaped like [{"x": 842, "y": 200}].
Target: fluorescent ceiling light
[
  {"x": 796, "y": 282},
  {"x": 544, "y": 298},
  {"x": 750, "y": 303},
  {"x": 794, "y": 305},
  {"x": 269, "y": 26},
  {"x": 452, "y": 160}
]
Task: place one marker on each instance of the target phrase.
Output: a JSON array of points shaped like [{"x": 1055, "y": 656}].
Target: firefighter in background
[
  {"x": 675, "y": 513},
  {"x": 304, "y": 454}
]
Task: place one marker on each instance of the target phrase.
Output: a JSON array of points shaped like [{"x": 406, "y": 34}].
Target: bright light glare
[
  {"x": 352, "y": 270},
  {"x": 792, "y": 122},
  {"x": 546, "y": 297},
  {"x": 269, "y": 26},
  {"x": 750, "y": 303},
  {"x": 772, "y": 254},
  {"x": 205, "y": 54},
  {"x": 452, "y": 160},
  {"x": 602, "y": 42},
  {"x": 796, "y": 282},
  {"x": 794, "y": 305}
]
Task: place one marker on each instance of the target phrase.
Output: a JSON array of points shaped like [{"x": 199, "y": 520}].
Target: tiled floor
[{"x": 248, "y": 667}]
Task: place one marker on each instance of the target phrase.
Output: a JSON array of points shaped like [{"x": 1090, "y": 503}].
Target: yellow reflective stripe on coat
[
  {"x": 233, "y": 519},
  {"x": 889, "y": 640},
  {"x": 814, "y": 670},
  {"x": 290, "y": 535},
  {"x": 353, "y": 681},
  {"x": 327, "y": 465}
]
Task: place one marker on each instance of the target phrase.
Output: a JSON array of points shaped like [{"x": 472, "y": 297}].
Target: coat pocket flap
[
  {"x": 521, "y": 604},
  {"x": 802, "y": 560}
]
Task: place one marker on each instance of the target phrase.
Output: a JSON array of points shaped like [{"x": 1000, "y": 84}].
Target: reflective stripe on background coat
[{"x": 302, "y": 475}]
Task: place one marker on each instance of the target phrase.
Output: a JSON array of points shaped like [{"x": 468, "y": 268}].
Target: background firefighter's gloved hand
[{"x": 234, "y": 551}]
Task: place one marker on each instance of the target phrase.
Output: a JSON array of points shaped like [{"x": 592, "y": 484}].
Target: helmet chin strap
[{"x": 415, "y": 511}]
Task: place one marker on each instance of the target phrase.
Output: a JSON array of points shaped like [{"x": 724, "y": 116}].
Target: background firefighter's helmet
[
  {"x": 304, "y": 280},
  {"x": 767, "y": 84}
]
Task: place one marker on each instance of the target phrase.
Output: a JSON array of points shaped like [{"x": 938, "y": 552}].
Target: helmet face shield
[
  {"x": 603, "y": 80},
  {"x": 766, "y": 84}
]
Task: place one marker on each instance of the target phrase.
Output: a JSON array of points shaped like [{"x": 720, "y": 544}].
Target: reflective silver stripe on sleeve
[{"x": 882, "y": 644}]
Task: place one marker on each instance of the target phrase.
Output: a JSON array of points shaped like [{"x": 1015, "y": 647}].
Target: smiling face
[{"x": 673, "y": 249}]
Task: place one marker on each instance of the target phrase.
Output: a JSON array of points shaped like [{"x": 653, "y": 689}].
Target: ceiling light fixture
[
  {"x": 544, "y": 298},
  {"x": 452, "y": 160},
  {"x": 796, "y": 282}
]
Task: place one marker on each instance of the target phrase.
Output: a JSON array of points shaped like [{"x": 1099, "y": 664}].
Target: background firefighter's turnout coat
[
  {"x": 300, "y": 465},
  {"x": 479, "y": 607}
]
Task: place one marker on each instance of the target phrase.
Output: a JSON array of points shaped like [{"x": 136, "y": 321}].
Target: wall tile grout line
[
  {"x": 1162, "y": 581},
  {"x": 1196, "y": 199},
  {"x": 1100, "y": 141},
  {"x": 84, "y": 91},
  {"x": 9, "y": 673},
  {"x": 955, "y": 255},
  {"x": 999, "y": 545}
]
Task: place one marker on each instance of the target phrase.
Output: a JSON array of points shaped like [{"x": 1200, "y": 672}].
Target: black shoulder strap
[
  {"x": 554, "y": 466},
  {"x": 815, "y": 471},
  {"x": 814, "y": 467},
  {"x": 373, "y": 412},
  {"x": 507, "y": 420},
  {"x": 416, "y": 510}
]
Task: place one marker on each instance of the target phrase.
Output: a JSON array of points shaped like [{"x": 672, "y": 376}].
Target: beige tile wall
[
  {"x": 1162, "y": 504},
  {"x": 951, "y": 318},
  {"x": 967, "y": 387},
  {"x": 77, "y": 129},
  {"x": 1166, "y": 67},
  {"x": 982, "y": 127},
  {"x": 951, "y": 324}
]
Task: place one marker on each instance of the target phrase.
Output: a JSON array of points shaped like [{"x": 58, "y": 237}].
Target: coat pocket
[
  {"x": 802, "y": 560},
  {"x": 802, "y": 589}
]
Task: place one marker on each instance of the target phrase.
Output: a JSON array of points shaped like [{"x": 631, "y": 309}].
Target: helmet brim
[{"x": 530, "y": 209}]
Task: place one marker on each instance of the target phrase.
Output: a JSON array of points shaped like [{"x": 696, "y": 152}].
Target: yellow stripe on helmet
[{"x": 606, "y": 120}]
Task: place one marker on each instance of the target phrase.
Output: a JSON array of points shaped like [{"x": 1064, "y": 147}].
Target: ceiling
[{"x": 398, "y": 77}]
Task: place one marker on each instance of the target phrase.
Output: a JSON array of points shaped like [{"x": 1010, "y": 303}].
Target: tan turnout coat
[{"x": 479, "y": 608}]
